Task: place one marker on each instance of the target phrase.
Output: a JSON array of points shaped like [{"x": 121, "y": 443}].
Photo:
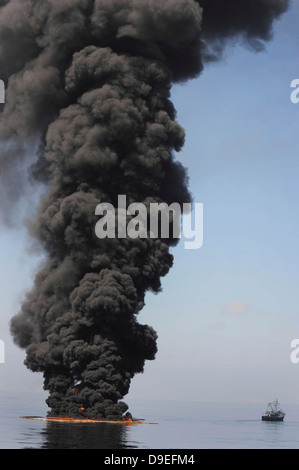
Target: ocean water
[{"x": 180, "y": 425}]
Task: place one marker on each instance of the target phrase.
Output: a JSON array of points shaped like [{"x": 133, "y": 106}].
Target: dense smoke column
[
  {"x": 116, "y": 139},
  {"x": 92, "y": 80},
  {"x": 116, "y": 136}
]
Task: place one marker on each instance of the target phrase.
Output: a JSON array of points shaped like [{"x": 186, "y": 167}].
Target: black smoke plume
[{"x": 90, "y": 81}]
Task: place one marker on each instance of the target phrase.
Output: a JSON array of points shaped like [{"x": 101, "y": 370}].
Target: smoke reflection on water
[
  {"x": 84, "y": 436},
  {"x": 41, "y": 435}
]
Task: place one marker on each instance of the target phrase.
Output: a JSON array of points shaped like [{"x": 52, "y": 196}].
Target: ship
[{"x": 274, "y": 412}]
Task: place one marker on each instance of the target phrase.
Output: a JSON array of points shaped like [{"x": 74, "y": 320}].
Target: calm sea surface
[{"x": 181, "y": 425}]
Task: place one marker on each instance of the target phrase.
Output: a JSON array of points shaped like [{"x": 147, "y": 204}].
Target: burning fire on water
[{"x": 127, "y": 421}]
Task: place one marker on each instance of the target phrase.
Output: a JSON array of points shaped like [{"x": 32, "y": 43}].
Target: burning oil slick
[{"x": 90, "y": 80}]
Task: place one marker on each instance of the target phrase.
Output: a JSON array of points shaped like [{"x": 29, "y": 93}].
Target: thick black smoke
[{"x": 91, "y": 80}]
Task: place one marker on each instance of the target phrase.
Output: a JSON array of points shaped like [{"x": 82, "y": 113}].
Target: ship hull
[{"x": 272, "y": 418}]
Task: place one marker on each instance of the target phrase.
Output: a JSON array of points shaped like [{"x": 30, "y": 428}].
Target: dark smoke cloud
[{"x": 91, "y": 80}]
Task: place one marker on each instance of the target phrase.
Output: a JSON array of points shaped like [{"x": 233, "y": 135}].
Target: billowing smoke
[{"x": 89, "y": 81}]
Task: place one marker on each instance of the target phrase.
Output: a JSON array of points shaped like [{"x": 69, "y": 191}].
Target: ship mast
[{"x": 273, "y": 406}]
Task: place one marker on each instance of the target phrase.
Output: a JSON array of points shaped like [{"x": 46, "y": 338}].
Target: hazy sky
[{"x": 229, "y": 311}]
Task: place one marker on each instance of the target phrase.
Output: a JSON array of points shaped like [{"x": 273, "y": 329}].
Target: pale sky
[{"x": 229, "y": 311}]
